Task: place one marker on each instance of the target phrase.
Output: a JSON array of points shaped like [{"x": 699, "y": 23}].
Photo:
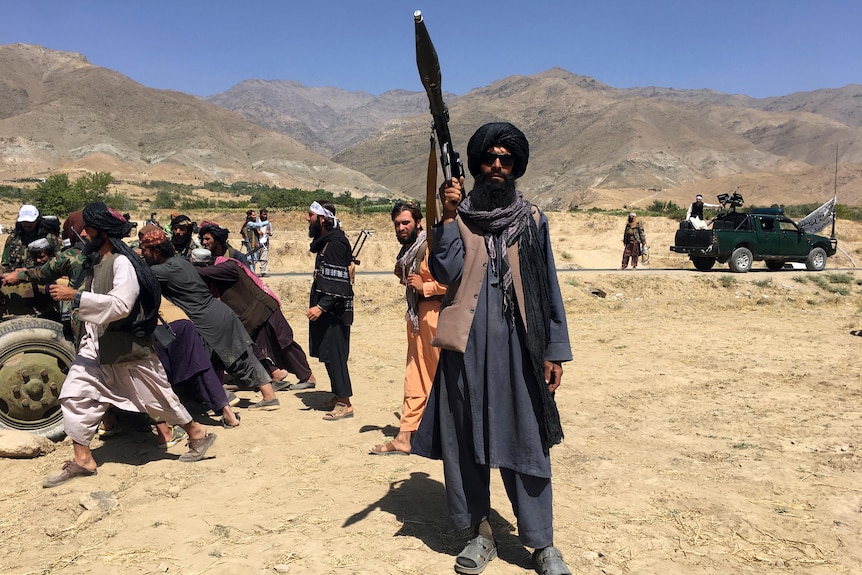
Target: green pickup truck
[{"x": 742, "y": 238}]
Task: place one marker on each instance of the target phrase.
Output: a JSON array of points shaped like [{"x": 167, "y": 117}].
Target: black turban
[
  {"x": 498, "y": 134},
  {"x": 218, "y": 233},
  {"x": 180, "y": 220},
  {"x": 98, "y": 215}
]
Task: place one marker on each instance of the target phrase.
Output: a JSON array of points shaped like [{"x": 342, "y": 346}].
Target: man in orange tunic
[{"x": 423, "y": 296}]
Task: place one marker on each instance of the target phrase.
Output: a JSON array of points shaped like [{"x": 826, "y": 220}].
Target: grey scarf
[{"x": 406, "y": 264}]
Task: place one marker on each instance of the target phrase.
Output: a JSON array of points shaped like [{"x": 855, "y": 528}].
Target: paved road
[{"x": 640, "y": 270}]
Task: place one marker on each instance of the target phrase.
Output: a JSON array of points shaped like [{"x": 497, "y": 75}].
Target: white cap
[
  {"x": 632, "y": 214},
  {"x": 698, "y": 197},
  {"x": 201, "y": 256},
  {"x": 28, "y": 213},
  {"x": 39, "y": 245}
]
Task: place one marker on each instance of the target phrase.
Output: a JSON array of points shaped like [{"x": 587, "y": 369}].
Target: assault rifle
[
  {"x": 429, "y": 73},
  {"x": 357, "y": 245}
]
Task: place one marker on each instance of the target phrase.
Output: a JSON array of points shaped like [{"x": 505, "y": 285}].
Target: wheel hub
[{"x": 30, "y": 386}]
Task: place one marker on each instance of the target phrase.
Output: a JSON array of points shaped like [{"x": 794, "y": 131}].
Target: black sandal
[{"x": 476, "y": 555}]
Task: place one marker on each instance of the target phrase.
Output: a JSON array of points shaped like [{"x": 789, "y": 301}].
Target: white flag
[{"x": 819, "y": 218}]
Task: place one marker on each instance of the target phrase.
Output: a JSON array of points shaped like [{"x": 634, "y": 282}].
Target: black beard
[
  {"x": 180, "y": 243},
  {"x": 409, "y": 240},
  {"x": 92, "y": 247},
  {"x": 314, "y": 229},
  {"x": 490, "y": 194}
]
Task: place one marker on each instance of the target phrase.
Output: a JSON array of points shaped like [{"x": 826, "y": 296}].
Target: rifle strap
[{"x": 431, "y": 189}]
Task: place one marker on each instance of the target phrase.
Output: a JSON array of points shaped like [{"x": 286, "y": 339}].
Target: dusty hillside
[
  {"x": 592, "y": 144},
  {"x": 66, "y": 115}
]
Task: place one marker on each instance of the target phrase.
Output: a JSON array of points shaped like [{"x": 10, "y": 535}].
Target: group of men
[{"x": 480, "y": 382}]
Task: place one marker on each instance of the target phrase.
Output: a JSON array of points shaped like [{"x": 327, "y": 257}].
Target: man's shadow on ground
[{"x": 419, "y": 503}]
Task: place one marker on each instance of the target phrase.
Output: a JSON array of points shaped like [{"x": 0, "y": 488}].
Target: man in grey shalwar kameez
[
  {"x": 219, "y": 327},
  {"x": 492, "y": 402}
]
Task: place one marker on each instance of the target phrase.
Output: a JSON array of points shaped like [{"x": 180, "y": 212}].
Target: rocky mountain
[
  {"x": 591, "y": 144},
  {"x": 60, "y": 113},
  {"x": 327, "y": 120}
]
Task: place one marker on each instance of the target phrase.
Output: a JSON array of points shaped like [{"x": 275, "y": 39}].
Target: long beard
[
  {"x": 180, "y": 243},
  {"x": 410, "y": 239},
  {"x": 314, "y": 229},
  {"x": 488, "y": 195}
]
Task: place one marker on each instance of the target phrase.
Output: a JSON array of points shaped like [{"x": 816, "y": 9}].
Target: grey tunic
[
  {"x": 484, "y": 400},
  {"x": 217, "y": 324}
]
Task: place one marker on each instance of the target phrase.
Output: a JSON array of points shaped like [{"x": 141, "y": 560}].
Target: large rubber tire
[
  {"x": 740, "y": 260},
  {"x": 38, "y": 347},
  {"x": 816, "y": 260},
  {"x": 775, "y": 265},
  {"x": 703, "y": 264}
]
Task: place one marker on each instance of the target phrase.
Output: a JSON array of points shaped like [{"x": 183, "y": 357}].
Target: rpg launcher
[{"x": 429, "y": 73}]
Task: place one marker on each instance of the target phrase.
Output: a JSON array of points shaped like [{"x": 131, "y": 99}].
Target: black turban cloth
[
  {"x": 180, "y": 220},
  {"x": 218, "y": 233},
  {"x": 498, "y": 134},
  {"x": 99, "y": 216}
]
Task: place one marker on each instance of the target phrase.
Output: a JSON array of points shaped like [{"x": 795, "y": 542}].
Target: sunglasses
[{"x": 506, "y": 160}]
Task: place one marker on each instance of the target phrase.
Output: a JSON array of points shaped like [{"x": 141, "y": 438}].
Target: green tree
[
  {"x": 53, "y": 195},
  {"x": 163, "y": 200},
  {"x": 59, "y": 196}
]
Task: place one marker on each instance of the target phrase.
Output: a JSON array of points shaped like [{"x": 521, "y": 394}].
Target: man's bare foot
[{"x": 390, "y": 448}]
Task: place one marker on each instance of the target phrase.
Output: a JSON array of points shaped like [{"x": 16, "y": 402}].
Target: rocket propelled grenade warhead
[
  {"x": 429, "y": 67},
  {"x": 429, "y": 72}
]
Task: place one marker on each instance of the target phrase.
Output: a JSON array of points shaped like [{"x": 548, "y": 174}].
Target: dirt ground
[{"x": 711, "y": 425}]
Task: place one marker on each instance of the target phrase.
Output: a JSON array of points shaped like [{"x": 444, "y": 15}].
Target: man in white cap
[
  {"x": 29, "y": 228},
  {"x": 695, "y": 212}
]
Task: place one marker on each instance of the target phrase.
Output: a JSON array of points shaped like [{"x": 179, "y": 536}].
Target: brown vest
[
  {"x": 117, "y": 343},
  {"x": 459, "y": 304}
]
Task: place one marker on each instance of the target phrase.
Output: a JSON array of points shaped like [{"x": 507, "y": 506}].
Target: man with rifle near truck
[{"x": 492, "y": 403}]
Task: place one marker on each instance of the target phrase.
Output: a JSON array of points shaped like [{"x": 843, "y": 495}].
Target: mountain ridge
[{"x": 591, "y": 144}]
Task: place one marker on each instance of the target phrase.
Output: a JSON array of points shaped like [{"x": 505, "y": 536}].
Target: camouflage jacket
[
  {"x": 16, "y": 255},
  {"x": 69, "y": 263}
]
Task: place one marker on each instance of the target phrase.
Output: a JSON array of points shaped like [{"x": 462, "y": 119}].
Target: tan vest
[
  {"x": 459, "y": 304},
  {"x": 117, "y": 344}
]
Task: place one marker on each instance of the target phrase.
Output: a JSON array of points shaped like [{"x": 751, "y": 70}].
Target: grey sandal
[
  {"x": 476, "y": 555},
  {"x": 549, "y": 561}
]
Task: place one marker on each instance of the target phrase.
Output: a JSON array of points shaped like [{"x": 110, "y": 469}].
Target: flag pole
[{"x": 835, "y": 193}]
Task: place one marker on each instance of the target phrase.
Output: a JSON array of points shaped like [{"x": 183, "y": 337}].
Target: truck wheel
[
  {"x": 703, "y": 264},
  {"x": 816, "y": 260},
  {"x": 740, "y": 260},
  {"x": 775, "y": 265},
  {"x": 34, "y": 360}
]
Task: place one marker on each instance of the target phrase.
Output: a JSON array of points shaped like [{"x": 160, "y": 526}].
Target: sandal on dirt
[
  {"x": 302, "y": 385},
  {"x": 328, "y": 405},
  {"x": 549, "y": 561},
  {"x": 476, "y": 555},
  {"x": 227, "y": 425},
  {"x": 177, "y": 435},
  {"x": 71, "y": 470},
  {"x": 340, "y": 411},
  {"x": 198, "y": 448},
  {"x": 387, "y": 448}
]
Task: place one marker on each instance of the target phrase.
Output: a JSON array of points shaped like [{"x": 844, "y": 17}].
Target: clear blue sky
[{"x": 755, "y": 47}]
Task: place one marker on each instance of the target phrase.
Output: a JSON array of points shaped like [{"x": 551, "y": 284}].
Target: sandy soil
[{"x": 711, "y": 426}]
